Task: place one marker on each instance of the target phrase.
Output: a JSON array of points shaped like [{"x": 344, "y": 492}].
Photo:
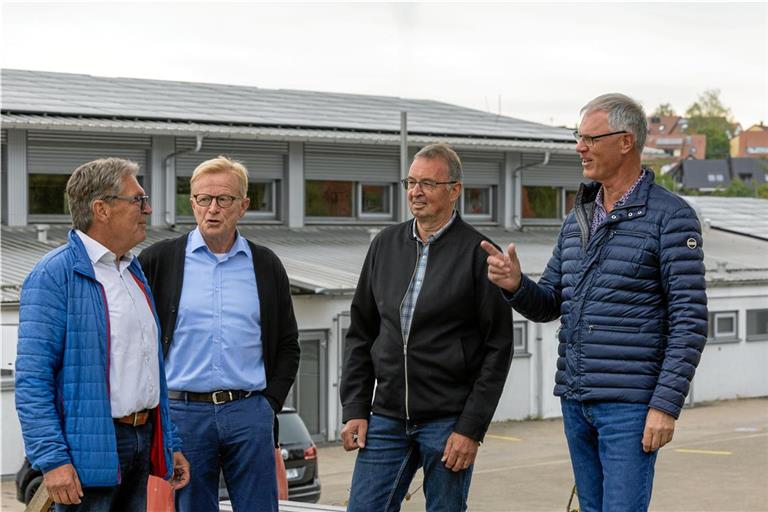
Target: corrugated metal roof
[
  {"x": 327, "y": 259},
  {"x": 743, "y": 215},
  {"x": 91, "y": 96},
  {"x": 178, "y": 128}
]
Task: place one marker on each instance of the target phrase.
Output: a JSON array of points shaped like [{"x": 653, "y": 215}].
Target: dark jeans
[
  {"x": 235, "y": 438},
  {"x": 612, "y": 471},
  {"x": 130, "y": 495},
  {"x": 392, "y": 454}
]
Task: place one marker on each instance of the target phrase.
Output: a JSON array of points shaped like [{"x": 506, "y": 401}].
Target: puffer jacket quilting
[{"x": 631, "y": 300}]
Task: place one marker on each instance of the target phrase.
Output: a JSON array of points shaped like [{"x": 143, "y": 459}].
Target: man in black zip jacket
[{"x": 434, "y": 338}]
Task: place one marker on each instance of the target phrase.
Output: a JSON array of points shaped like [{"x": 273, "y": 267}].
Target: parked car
[
  {"x": 300, "y": 457},
  {"x": 297, "y": 448}
]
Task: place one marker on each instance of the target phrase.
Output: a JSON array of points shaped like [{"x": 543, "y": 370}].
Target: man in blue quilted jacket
[
  {"x": 626, "y": 279},
  {"x": 90, "y": 386}
]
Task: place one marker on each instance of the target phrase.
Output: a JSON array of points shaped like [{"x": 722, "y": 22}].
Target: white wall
[
  {"x": 11, "y": 446},
  {"x": 733, "y": 369}
]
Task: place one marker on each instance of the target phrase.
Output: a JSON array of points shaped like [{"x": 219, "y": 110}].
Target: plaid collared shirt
[
  {"x": 600, "y": 214},
  {"x": 409, "y": 303}
]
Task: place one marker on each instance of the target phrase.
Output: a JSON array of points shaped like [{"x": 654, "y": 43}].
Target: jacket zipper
[{"x": 405, "y": 338}]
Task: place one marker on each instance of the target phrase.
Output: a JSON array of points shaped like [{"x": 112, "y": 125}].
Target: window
[
  {"x": 47, "y": 194},
  {"x": 348, "y": 200},
  {"x": 477, "y": 202},
  {"x": 328, "y": 198},
  {"x": 520, "y": 338},
  {"x": 757, "y": 324},
  {"x": 541, "y": 203},
  {"x": 183, "y": 206},
  {"x": 723, "y": 326},
  {"x": 375, "y": 200},
  {"x": 263, "y": 195},
  {"x": 570, "y": 201}
]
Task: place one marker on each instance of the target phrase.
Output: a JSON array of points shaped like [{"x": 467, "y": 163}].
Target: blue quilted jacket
[
  {"x": 631, "y": 300},
  {"x": 62, "y": 382}
]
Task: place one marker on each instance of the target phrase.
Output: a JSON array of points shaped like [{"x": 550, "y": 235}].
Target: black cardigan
[{"x": 163, "y": 264}]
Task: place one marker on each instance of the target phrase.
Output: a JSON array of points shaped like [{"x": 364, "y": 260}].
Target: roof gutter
[{"x": 170, "y": 180}]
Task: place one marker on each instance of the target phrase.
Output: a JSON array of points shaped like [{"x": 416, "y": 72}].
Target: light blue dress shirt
[{"x": 217, "y": 341}]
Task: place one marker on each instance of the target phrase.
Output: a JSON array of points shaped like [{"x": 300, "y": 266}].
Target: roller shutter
[
  {"x": 263, "y": 159},
  {"x": 561, "y": 171},
  {"x": 343, "y": 162},
  {"x": 51, "y": 152}
]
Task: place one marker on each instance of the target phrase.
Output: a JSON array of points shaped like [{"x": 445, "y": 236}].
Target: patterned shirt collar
[
  {"x": 600, "y": 213},
  {"x": 434, "y": 236}
]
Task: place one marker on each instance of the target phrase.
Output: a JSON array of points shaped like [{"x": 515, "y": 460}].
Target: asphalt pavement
[{"x": 717, "y": 461}]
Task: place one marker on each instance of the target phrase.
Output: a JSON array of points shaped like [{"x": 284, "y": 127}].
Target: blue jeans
[
  {"x": 392, "y": 454},
  {"x": 612, "y": 471},
  {"x": 130, "y": 495},
  {"x": 236, "y": 438}
]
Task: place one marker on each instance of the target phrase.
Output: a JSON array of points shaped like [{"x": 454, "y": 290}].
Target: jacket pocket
[{"x": 613, "y": 328}]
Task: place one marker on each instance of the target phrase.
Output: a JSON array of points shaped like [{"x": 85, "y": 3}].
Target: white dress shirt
[{"x": 134, "y": 369}]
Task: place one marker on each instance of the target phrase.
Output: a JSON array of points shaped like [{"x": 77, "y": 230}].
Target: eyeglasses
[
  {"x": 224, "y": 201},
  {"x": 141, "y": 200},
  {"x": 428, "y": 185},
  {"x": 589, "y": 140}
]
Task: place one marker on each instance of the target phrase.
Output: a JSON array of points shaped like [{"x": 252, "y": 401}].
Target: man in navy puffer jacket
[{"x": 626, "y": 279}]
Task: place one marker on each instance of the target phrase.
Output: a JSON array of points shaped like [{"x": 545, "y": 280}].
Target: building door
[
  {"x": 308, "y": 394},
  {"x": 342, "y": 326}
]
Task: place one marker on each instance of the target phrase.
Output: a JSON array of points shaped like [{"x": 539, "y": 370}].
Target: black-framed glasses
[
  {"x": 429, "y": 185},
  {"x": 224, "y": 200},
  {"x": 589, "y": 140},
  {"x": 141, "y": 200}
]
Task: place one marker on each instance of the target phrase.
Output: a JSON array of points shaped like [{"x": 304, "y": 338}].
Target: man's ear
[
  {"x": 627, "y": 142},
  {"x": 100, "y": 210}
]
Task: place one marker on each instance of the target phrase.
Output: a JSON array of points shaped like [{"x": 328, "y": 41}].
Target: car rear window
[{"x": 292, "y": 429}]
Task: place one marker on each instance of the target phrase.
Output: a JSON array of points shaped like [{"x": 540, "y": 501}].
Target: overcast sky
[{"x": 540, "y": 62}]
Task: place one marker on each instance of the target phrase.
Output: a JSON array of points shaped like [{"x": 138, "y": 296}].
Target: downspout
[
  {"x": 170, "y": 185},
  {"x": 539, "y": 362},
  {"x": 517, "y": 220}
]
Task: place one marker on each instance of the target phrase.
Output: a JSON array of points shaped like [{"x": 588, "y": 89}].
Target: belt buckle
[
  {"x": 223, "y": 401},
  {"x": 135, "y": 418}
]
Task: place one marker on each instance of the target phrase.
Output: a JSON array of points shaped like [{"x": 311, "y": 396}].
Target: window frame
[
  {"x": 273, "y": 213},
  {"x": 249, "y": 217},
  {"x": 481, "y": 217},
  {"x": 357, "y": 215},
  {"x": 358, "y": 207},
  {"x": 520, "y": 349},
  {"x": 713, "y": 336},
  {"x": 759, "y": 336},
  {"x": 559, "y": 214}
]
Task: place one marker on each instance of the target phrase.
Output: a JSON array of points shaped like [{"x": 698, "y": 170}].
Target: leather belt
[
  {"x": 215, "y": 397},
  {"x": 135, "y": 419}
]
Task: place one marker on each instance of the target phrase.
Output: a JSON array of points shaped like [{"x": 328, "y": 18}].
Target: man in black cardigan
[{"x": 230, "y": 340}]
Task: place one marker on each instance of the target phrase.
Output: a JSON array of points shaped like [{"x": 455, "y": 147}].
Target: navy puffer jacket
[{"x": 631, "y": 300}]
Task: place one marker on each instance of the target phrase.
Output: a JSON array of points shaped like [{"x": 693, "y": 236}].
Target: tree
[
  {"x": 708, "y": 116},
  {"x": 665, "y": 109}
]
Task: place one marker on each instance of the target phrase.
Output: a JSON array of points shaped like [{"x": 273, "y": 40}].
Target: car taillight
[{"x": 310, "y": 453}]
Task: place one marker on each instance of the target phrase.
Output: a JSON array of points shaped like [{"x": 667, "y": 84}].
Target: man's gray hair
[
  {"x": 624, "y": 113},
  {"x": 445, "y": 152},
  {"x": 92, "y": 181}
]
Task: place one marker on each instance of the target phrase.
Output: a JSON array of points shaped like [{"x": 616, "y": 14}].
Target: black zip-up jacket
[
  {"x": 163, "y": 265},
  {"x": 459, "y": 347}
]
